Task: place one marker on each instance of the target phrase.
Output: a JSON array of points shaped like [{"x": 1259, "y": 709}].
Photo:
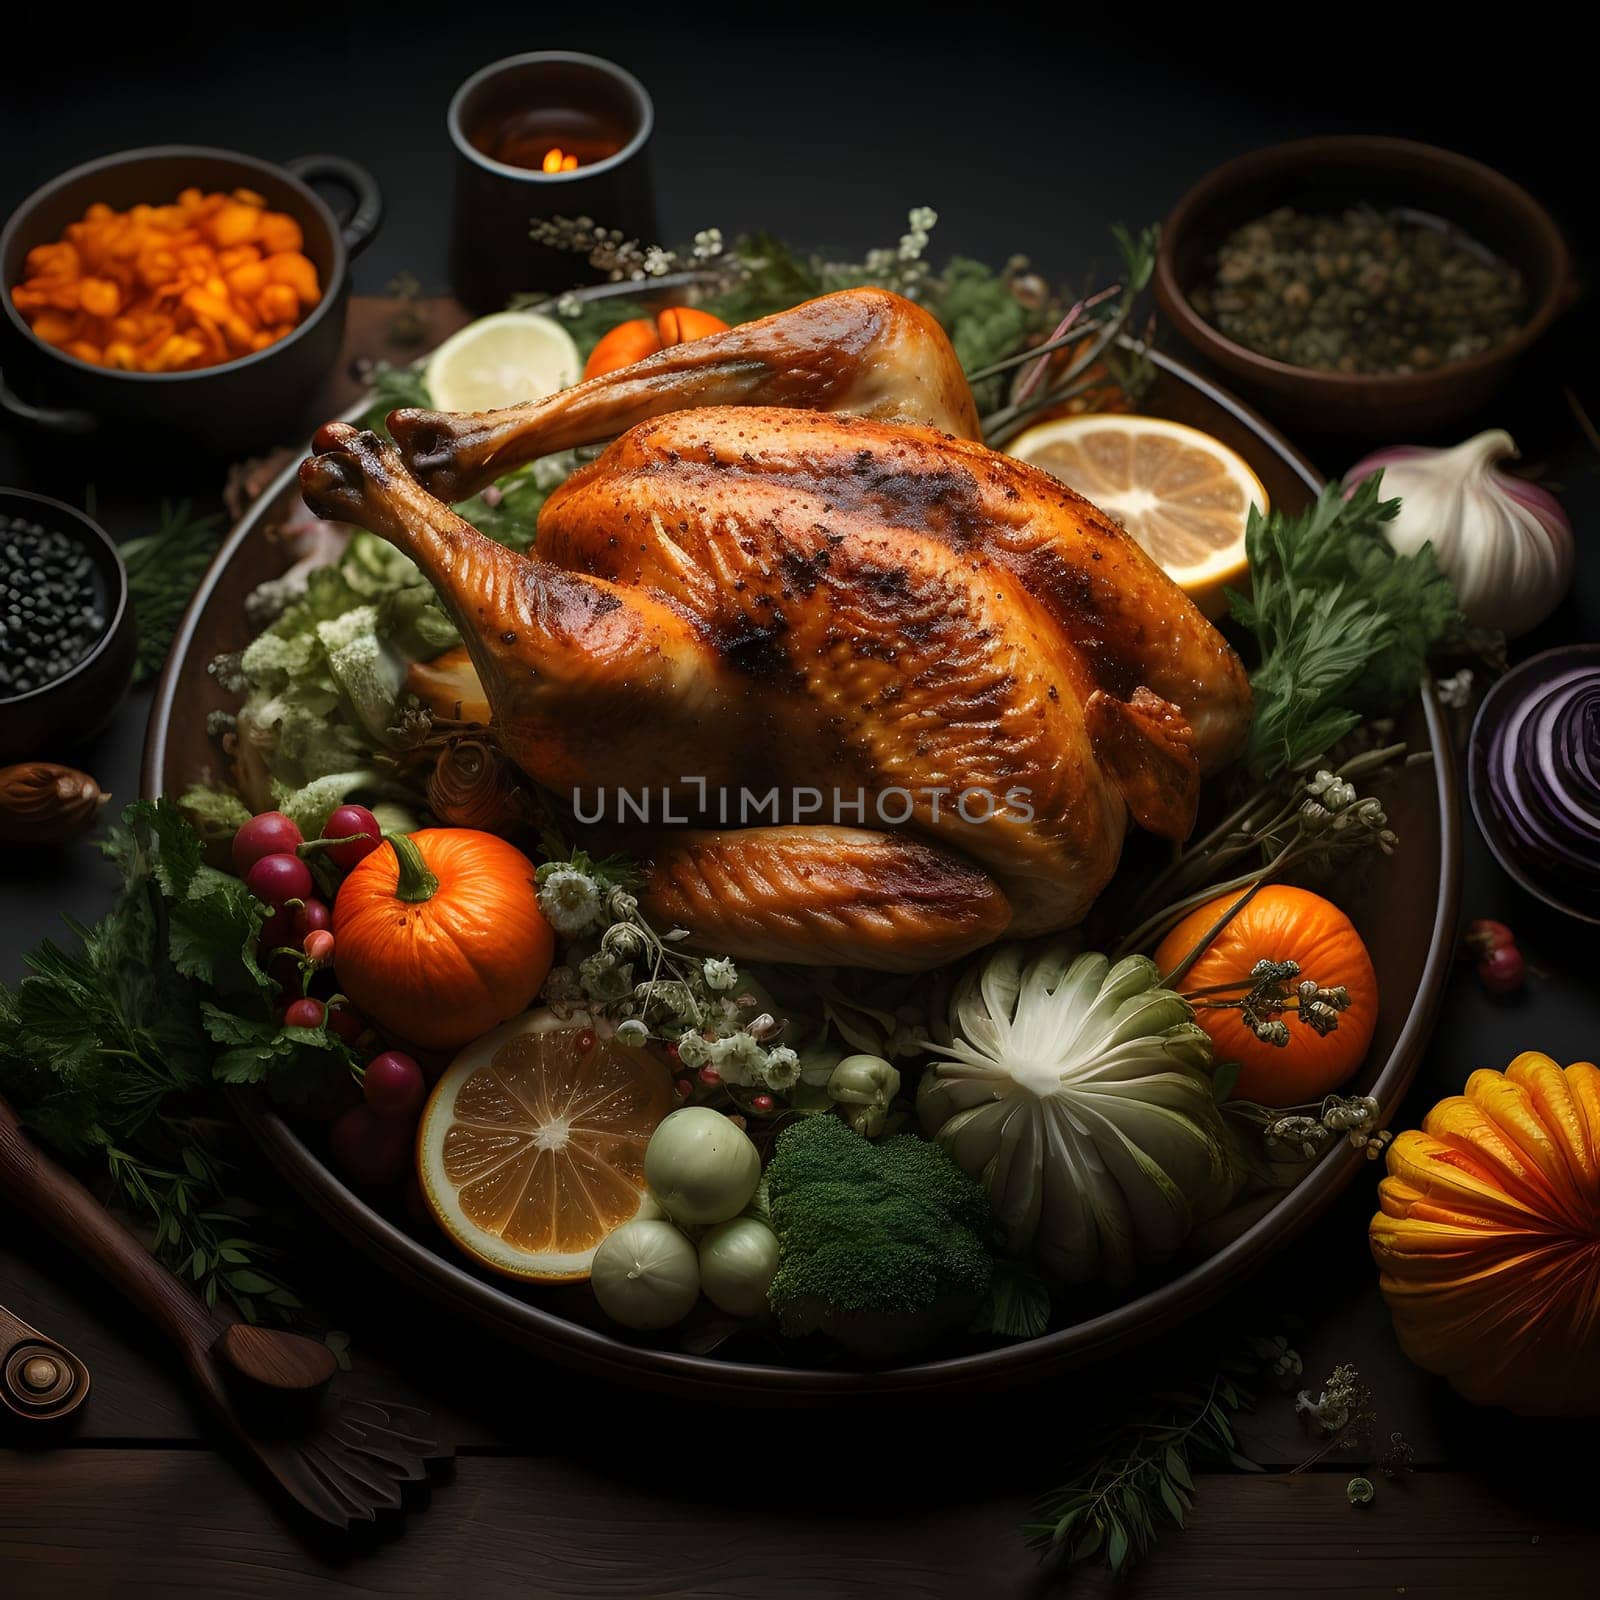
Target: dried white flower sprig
[{"x": 715, "y": 1024}]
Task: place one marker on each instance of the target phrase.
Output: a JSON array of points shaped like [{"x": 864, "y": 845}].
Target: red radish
[
  {"x": 268, "y": 834},
  {"x": 278, "y": 879},
  {"x": 1486, "y": 934},
  {"x": 319, "y": 946},
  {"x": 1501, "y": 971},
  {"x": 347, "y": 823},
  {"x": 346, "y": 1022},
  {"x": 305, "y": 1013},
  {"x": 394, "y": 1085},
  {"x": 311, "y": 916}
]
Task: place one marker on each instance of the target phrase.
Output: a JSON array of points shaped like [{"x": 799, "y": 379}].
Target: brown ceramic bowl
[{"x": 1324, "y": 174}]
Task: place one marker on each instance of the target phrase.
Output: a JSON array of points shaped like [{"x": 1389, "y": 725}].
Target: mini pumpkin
[
  {"x": 1488, "y": 1240},
  {"x": 1279, "y": 923},
  {"x": 438, "y": 936},
  {"x": 633, "y": 341}
]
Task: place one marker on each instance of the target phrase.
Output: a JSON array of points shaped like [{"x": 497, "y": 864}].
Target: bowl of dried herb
[{"x": 1362, "y": 285}]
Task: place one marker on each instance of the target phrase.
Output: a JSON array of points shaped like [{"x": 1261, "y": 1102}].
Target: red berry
[
  {"x": 279, "y": 878},
  {"x": 346, "y": 1022},
  {"x": 346, "y": 822},
  {"x": 710, "y": 1075},
  {"x": 1486, "y": 934},
  {"x": 1500, "y": 972},
  {"x": 311, "y": 916},
  {"x": 761, "y": 1102},
  {"x": 370, "y": 1150},
  {"x": 269, "y": 834},
  {"x": 394, "y": 1085},
  {"x": 305, "y": 1013},
  {"x": 319, "y": 946}
]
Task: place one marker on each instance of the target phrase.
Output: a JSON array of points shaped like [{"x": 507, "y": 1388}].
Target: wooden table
[{"x": 563, "y": 1487}]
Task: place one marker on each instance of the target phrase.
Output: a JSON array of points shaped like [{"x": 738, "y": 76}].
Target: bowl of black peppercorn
[{"x": 66, "y": 628}]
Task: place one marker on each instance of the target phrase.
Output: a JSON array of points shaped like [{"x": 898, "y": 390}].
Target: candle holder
[{"x": 550, "y": 133}]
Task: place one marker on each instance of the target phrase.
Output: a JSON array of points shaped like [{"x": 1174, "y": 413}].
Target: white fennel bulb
[{"x": 1079, "y": 1094}]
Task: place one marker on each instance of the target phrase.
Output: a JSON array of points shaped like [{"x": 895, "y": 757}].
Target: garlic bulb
[{"x": 1504, "y": 543}]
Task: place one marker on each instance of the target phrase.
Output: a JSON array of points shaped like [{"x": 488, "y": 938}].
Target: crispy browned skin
[
  {"x": 829, "y": 891},
  {"x": 744, "y": 597},
  {"x": 862, "y": 351}
]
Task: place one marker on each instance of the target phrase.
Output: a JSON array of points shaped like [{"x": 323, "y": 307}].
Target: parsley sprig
[
  {"x": 109, "y": 1050},
  {"x": 1343, "y": 622}
]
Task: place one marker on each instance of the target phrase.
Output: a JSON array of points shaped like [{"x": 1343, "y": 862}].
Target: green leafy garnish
[
  {"x": 1344, "y": 623},
  {"x": 392, "y": 388},
  {"x": 1136, "y": 1477},
  {"x": 159, "y": 999},
  {"x": 164, "y": 569}
]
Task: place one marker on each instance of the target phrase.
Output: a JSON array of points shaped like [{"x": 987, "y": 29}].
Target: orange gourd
[
  {"x": 633, "y": 341},
  {"x": 1282, "y": 924},
  {"x": 438, "y": 936},
  {"x": 1488, "y": 1240}
]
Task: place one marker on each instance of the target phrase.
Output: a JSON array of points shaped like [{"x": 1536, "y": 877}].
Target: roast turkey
[{"x": 865, "y": 691}]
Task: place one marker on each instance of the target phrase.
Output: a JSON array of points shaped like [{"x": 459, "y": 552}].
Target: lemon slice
[
  {"x": 500, "y": 361},
  {"x": 531, "y": 1146},
  {"x": 1185, "y": 496}
]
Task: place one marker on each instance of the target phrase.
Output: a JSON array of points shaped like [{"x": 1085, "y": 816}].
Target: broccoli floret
[{"x": 883, "y": 1245}]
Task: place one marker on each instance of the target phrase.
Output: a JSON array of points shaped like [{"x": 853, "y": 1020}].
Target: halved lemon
[
  {"x": 1182, "y": 494},
  {"x": 531, "y": 1146},
  {"x": 501, "y": 361}
]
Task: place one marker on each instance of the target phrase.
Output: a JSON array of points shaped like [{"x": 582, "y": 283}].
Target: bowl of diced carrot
[{"x": 179, "y": 300}]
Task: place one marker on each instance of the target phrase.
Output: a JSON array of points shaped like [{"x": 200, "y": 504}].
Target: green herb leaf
[
  {"x": 164, "y": 569},
  {"x": 1135, "y": 1476},
  {"x": 1344, "y": 624}
]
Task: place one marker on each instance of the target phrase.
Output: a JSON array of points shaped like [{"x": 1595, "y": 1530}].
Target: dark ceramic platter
[{"x": 1407, "y": 915}]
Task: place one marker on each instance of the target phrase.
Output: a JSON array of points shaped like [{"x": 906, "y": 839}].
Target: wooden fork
[{"x": 340, "y": 1461}]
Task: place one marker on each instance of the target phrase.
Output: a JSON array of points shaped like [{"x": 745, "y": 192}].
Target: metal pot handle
[
  {"x": 72, "y": 422},
  {"x": 366, "y": 199}
]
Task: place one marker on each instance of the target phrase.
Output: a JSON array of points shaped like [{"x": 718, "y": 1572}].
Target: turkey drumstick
[
  {"x": 598, "y": 687},
  {"x": 862, "y": 351}
]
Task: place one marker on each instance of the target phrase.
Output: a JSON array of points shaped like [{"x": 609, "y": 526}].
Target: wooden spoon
[{"x": 341, "y": 1461}]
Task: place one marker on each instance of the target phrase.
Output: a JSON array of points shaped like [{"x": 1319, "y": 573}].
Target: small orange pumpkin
[
  {"x": 438, "y": 936},
  {"x": 1281, "y": 923},
  {"x": 633, "y": 341},
  {"x": 1488, "y": 1240}
]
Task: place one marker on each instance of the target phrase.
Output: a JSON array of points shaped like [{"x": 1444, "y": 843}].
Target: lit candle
[{"x": 544, "y": 135}]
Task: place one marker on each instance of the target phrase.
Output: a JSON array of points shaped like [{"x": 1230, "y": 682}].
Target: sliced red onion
[{"x": 1543, "y": 770}]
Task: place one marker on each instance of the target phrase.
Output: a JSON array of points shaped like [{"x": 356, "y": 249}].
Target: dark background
[{"x": 827, "y": 127}]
